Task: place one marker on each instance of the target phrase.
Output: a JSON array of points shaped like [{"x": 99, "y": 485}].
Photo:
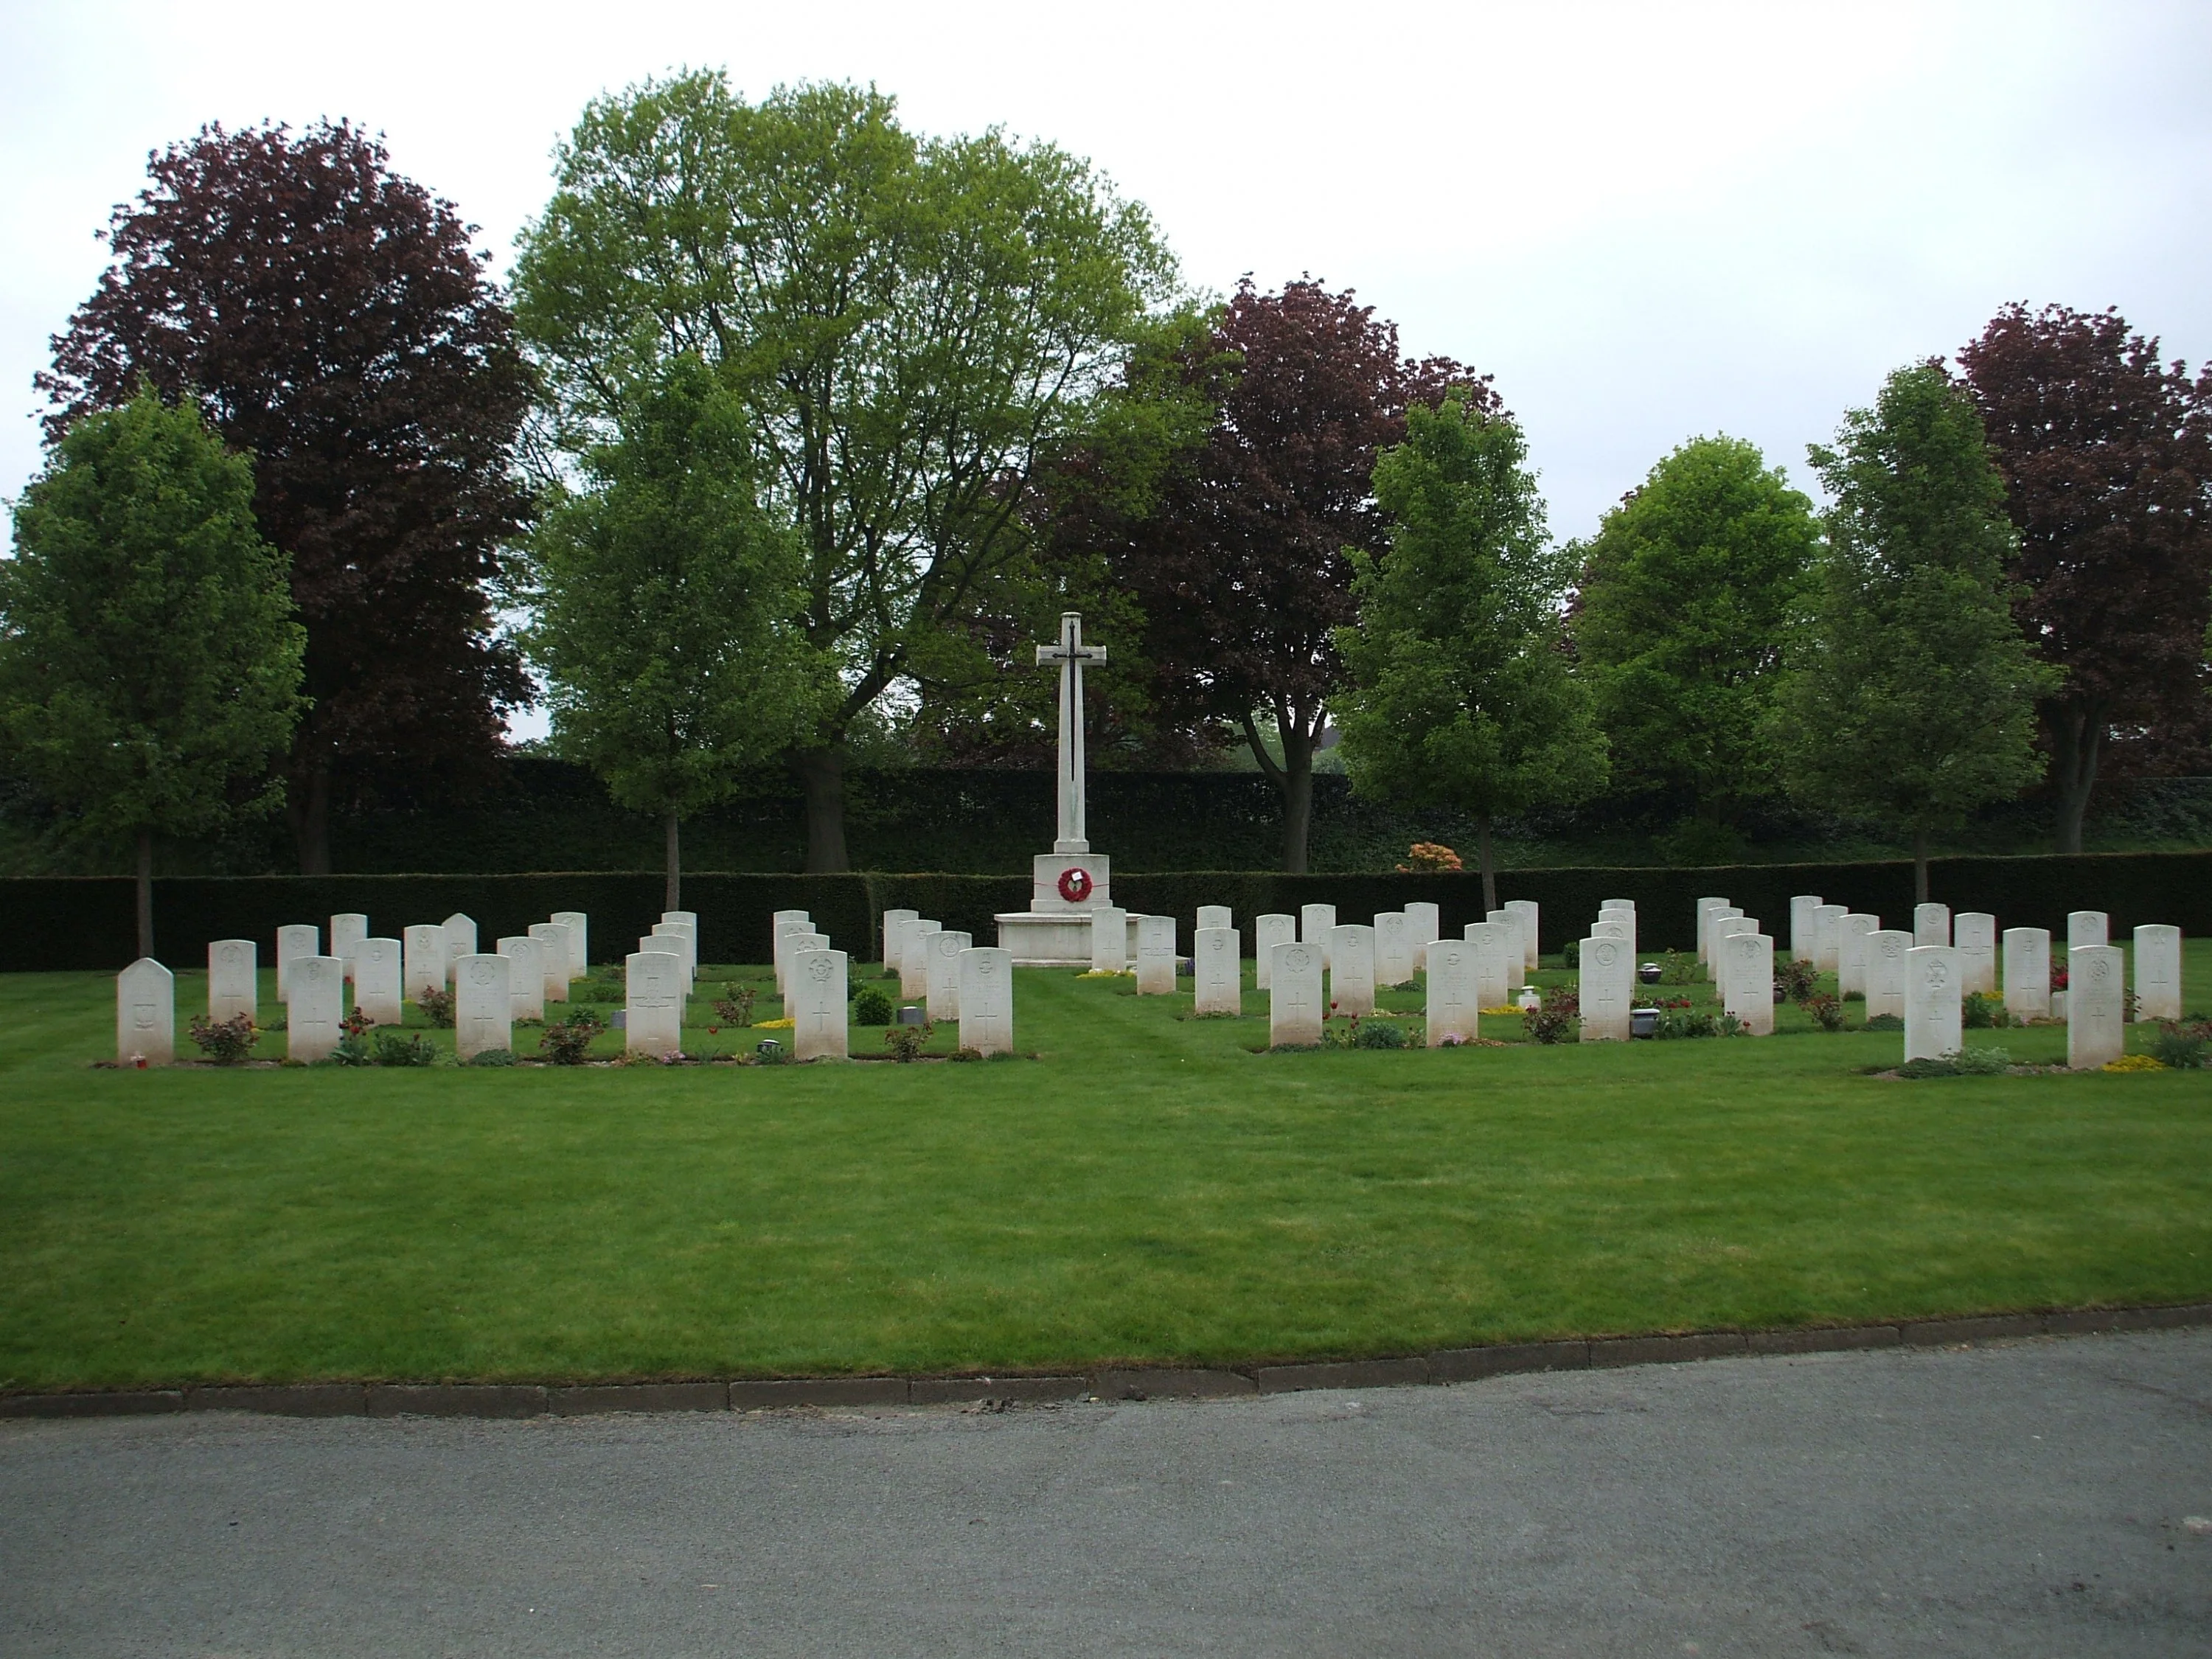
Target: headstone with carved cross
[
  {"x": 1453, "y": 1005},
  {"x": 1294, "y": 1008},
  {"x": 1156, "y": 956},
  {"x": 1933, "y": 1017},
  {"x": 377, "y": 988},
  {"x": 233, "y": 986},
  {"x": 1393, "y": 947},
  {"x": 2158, "y": 972},
  {"x": 483, "y": 1003},
  {"x": 819, "y": 1018},
  {"x": 653, "y": 1006},
  {"x": 1885, "y": 976},
  {"x": 1352, "y": 969},
  {"x": 1267, "y": 931},
  {"x": 526, "y": 979},
  {"x": 1974, "y": 937},
  {"x": 941, "y": 987},
  {"x": 1751, "y": 980},
  {"x": 1607, "y": 972},
  {"x": 987, "y": 1000},
  {"x": 1216, "y": 971},
  {"x": 311, "y": 1031},
  {"x": 2096, "y": 1007},
  {"x": 2028, "y": 972}
]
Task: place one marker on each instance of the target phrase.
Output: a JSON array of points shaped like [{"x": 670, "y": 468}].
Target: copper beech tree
[
  {"x": 332, "y": 321},
  {"x": 2106, "y": 454}
]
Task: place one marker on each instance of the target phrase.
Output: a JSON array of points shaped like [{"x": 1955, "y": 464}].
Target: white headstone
[
  {"x": 1608, "y": 980},
  {"x": 686, "y": 935},
  {"x": 780, "y": 948},
  {"x": 1110, "y": 940},
  {"x": 553, "y": 957},
  {"x": 526, "y": 979},
  {"x": 1216, "y": 915},
  {"x": 2096, "y": 1006},
  {"x": 2028, "y": 972},
  {"x": 1294, "y": 1004},
  {"x": 1828, "y": 937},
  {"x": 653, "y": 1008},
  {"x": 460, "y": 938},
  {"x": 348, "y": 929},
  {"x": 914, "y": 956},
  {"x": 1725, "y": 929},
  {"x": 1393, "y": 948},
  {"x": 1802, "y": 906},
  {"x": 1525, "y": 911},
  {"x": 1932, "y": 1016},
  {"x": 1494, "y": 943},
  {"x": 299, "y": 939},
  {"x": 312, "y": 1029},
  {"x": 1751, "y": 980},
  {"x": 1715, "y": 933},
  {"x": 1705, "y": 907},
  {"x": 1315, "y": 922},
  {"x": 1422, "y": 918},
  {"x": 1606, "y": 927},
  {"x": 2086, "y": 927},
  {"x": 145, "y": 1014},
  {"x": 942, "y": 974},
  {"x": 1851, "y": 971},
  {"x": 1454, "y": 1004},
  {"x": 1931, "y": 924},
  {"x": 1350, "y": 969},
  {"x": 1974, "y": 937},
  {"x": 234, "y": 979},
  {"x": 378, "y": 986},
  {"x": 1156, "y": 956},
  {"x": 1885, "y": 975},
  {"x": 2158, "y": 972},
  {"x": 423, "y": 959},
  {"x": 1216, "y": 971},
  {"x": 483, "y": 1003},
  {"x": 1628, "y": 905},
  {"x": 986, "y": 996},
  {"x": 820, "y": 1018},
  {"x": 1517, "y": 971},
  {"x": 579, "y": 940},
  {"x": 894, "y": 942},
  {"x": 1267, "y": 931}
]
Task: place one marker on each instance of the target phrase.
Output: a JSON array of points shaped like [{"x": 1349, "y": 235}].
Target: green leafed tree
[
  {"x": 664, "y": 595},
  {"x": 912, "y": 325},
  {"x": 149, "y": 659},
  {"x": 1462, "y": 695},
  {"x": 1687, "y": 592},
  {"x": 1912, "y": 697}
]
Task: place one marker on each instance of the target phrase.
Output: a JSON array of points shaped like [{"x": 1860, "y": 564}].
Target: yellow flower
[
  {"x": 2133, "y": 1063},
  {"x": 1507, "y": 1009},
  {"x": 773, "y": 1024}
]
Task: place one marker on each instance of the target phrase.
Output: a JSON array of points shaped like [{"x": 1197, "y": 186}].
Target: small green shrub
[
  {"x": 1678, "y": 967},
  {"x": 492, "y": 1057},
  {"x": 225, "y": 1041},
  {"x": 1977, "y": 1012},
  {"x": 437, "y": 1008},
  {"x": 1982, "y": 1062},
  {"x": 1379, "y": 1033},
  {"x": 397, "y": 1048},
  {"x": 567, "y": 1041},
  {"x": 1884, "y": 1023},
  {"x": 1823, "y": 1010},
  {"x": 1797, "y": 979},
  {"x": 1553, "y": 1019},
  {"x": 1570, "y": 953},
  {"x": 906, "y": 1042},
  {"x": 871, "y": 1007},
  {"x": 735, "y": 1006},
  {"x": 2180, "y": 1046}
]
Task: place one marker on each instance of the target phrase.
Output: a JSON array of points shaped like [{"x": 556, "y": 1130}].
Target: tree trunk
[
  {"x": 822, "y": 775},
  {"x": 307, "y": 803},
  {"x": 1920, "y": 863},
  {"x": 145, "y": 892},
  {"x": 1484, "y": 863},
  {"x": 673, "y": 893},
  {"x": 2078, "y": 732},
  {"x": 1296, "y": 781}
]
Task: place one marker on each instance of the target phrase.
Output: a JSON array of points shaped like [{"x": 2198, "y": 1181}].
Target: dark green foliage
[
  {"x": 1977, "y": 1012},
  {"x": 1824, "y": 1011},
  {"x": 1555, "y": 1019},
  {"x": 1570, "y": 953},
  {"x": 906, "y": 1042},
  {"x": 398, "y": 1048},
  {"x": 437, "y": 1008},
  {"x": 1379, "y": 1033},
  {"x": 225, "y": 1041},
  {"x": 566, "y": 1041},
  {"x": 492, "y": 1057},
  {"x": 1968, "y": 1063},
  {"x": 1884, "y": 1023},
  {"x": 1796, "y": 978},
  {"x": 871, "y": 1007},
  {"x": 2180, "y": 1044}
]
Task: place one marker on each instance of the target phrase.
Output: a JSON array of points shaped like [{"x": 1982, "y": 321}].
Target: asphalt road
[{"x": 2024, "y": 1499}]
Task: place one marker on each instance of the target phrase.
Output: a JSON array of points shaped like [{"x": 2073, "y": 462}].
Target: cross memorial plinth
[{"x": 1069, "y": 883}]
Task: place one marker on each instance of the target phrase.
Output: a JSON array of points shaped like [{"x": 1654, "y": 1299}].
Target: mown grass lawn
[{"x": 1147, "y": 1189}]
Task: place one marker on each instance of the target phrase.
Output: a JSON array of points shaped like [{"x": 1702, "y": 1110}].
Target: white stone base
[{"x": 1058, "y": 938}]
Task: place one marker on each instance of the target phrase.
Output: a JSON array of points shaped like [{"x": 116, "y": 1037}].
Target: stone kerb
[
  {"x": 311, "y": 1031},
  {"x": 1528, "y": 914},
  {"x": 1393, "y": 947},
  {"x": 1352, "y": 968},
  {"x": 145, "y": 1014},
  {"x": 298, "y": 939},
  {"x": 942, "y": 992},
  {"x": 1156, "y": 956},
  {"x": 377, "y": 988},
  {"x": 526, "y": 977},
  {"x": 1217, "y": 973},
  {"x": 987, "y": 1000},
  {"x": 1933, "y": 1020},
  {"x": 1974, "y": 937},
  {"x": 1294, "y": 1001},
  {"x": 1606, "y": 979},
  {"x": 1267, "y": 931},
  {"x": 1314, "y": 923},
  {"x": 2096, "y": 1007},
  {"x": 653, "y": 1007},
  {"x": 1885, "y": 979},
  {"x": 1110, "y": 940},
  {"x": 913, "y": 955},
  {"x": 1931, "y": 924},
  {"x": 233, "y": 979},
  {"x": 2158, "y": 972},
  {"x": 1751, "y": 981},
  {"x": 1454, "y": 1002},
  {"x": 820, "y": 1018},
  {"x": 2028, "y": 972},
  {"x": 483, "y": 1004}
]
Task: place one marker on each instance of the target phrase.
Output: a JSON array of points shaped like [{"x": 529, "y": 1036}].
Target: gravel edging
[{"x": 526, "y": 1400}]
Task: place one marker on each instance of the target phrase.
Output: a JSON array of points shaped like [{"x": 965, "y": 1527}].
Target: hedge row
[{"x": 86, "y": 922}]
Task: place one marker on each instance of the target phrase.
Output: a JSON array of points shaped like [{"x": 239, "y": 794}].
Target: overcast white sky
[{"x": 1647, "y": 220}]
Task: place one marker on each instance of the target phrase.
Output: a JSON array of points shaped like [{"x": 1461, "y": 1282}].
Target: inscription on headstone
[
  {"x": 1156, "y": 956},
  {"x": 986, "y": 998},
  {"x": 1932, "y": 1016},
  {"x": 653, "y": 1007},
  {"x": 1453, "y": 1010},
  {"x": 2028, "y": 972},
  {"x": 145, "y": 1014},
  {"x": 483, "y": 1003},
  {"x": 1294, "y": 1005},
  {"x": 2096, "y": 1007},
  {"x": 311, "y": 1019},
  {"x": 1215, "y": 972},
  {"x": 819, "y": 1019},
  {"x": 234, "y": 979},
  {"x": 1269, "y": 932},
  {"x": 377, "y": 985}
]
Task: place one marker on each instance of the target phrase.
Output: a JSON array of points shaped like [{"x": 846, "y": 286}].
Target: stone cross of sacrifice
[{"x": 1068, "y": 656}]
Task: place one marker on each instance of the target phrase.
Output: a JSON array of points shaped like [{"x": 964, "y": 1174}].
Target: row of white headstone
[{"x": 956, "y": 978}]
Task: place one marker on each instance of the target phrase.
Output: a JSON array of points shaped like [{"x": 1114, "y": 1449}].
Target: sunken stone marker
[
  {"x": 1828, "y": 937},
  {"x": 1525, "y": 911},
  {"x": 2096, "y": 1007},
  {"x": 1352, "y": 969},
  {"x": 299, "y": 939},
  {"x": 483, "y": 1004},
  {"x": 2086, "y": 927},
  {"x": 526, "y": 979},
  {"x": 1931, "y": 924},
  {"x": 654, "y": 1005},
  {"x": 2158, "y": 972},
  {"x": 1974, "y": 937},
  {"x": 1885, "y": 976},
  {"x": 145, "y": 1014},
  {"x": 1315, "y": 922},
  {"x": 553, "y": 957},
  {"x": 376, "y": 981},
  {"x": 1422, "y": 918},
  {"x": 1608, "y": 975},
  {"x": 818, "y": 1015},
  {"x": 1801, "y": 925},
  {"x": 1294, "y": 1010},
  {"x": 311, "y": 1029},
  {"x": 1267, "y": 931},
  {"x": 1851, "y": 971},
  {"x": 1216, "y": 915},
  {"x": 348, "y": 929},
  {"x": 1453, "y": 1005},
  {"x": 986, "y": 996},
  {"x": 1110, "y": 940},
  {"x": 234, "y": 979},
  {"x": 1156, "y": 956},
  {"x": 1493, "y": 944},
  {"x": 422, "y": 964},
  {"x": 942, "y": 992},
  {"x": 1393, "y": 948},
  {"x": 1751, "y": 980},
  {"x": 894, "y": 941},
  {"x": 2028, "y": 972},
  {"x": 460, "y": 938},
  {"x": 1932, "y": 1017},
  {"x": 580, "y": 939},
  {"x": 1216, "y": 971},
  {"x": 914, "y": 956}
]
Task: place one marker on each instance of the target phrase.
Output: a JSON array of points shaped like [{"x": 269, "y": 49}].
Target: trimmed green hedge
[{"x": 86, "y": 922}]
